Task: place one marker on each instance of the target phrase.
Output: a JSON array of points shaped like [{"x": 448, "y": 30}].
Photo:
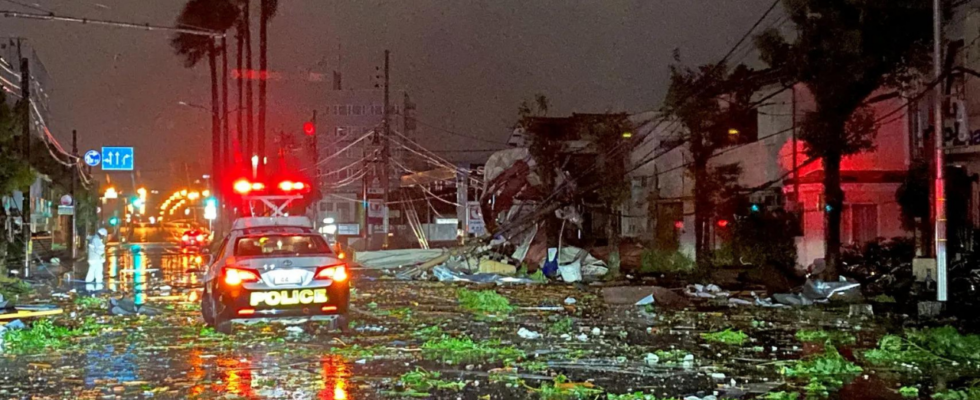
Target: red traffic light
[
  {"x": 722, "y": 223},
  {"x": 308, "y": 128},
  {"x": 678, "y": 224}
]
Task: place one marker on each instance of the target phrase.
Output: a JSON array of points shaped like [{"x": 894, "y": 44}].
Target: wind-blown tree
[
  {"x": 706, "y": 101},
  {"x": 607, "y": 133},
  {"x": 15, "y": 174},
  {"x": 843, "y": 51},
  {"x": 214, "y": 16}
]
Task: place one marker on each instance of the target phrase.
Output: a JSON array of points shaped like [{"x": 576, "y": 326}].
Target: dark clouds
[{"x": 466, "y": 63}]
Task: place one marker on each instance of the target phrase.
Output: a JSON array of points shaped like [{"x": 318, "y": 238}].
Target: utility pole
[
  {"x": 365, "y": 205},
  {"x": 215, "y": 117},
  {"x": 939, "y": 196},
  {"x": 316, "y": 154},
  {"x": 385, "y": 155},
  {"x": 249, "y": 74},
  {"x": 25, "y": 93},
  {"x": 219, "y": 178},
  {"x": 263, "y": 77},
  {"x": 74, "y": 198},
  {"x": 462, "y": 196}
]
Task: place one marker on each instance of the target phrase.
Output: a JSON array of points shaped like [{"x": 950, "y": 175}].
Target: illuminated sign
[
  {"x": 117, "y": 159},
  {"x": 289, "y": 297}
]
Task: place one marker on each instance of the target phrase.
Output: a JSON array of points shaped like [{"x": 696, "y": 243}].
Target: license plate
[
  {"x": 288, "y": 297},
  {"x": 287, "y": 279}
]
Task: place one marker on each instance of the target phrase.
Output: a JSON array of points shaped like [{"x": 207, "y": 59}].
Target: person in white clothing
[{"x": 96, "y": 260}]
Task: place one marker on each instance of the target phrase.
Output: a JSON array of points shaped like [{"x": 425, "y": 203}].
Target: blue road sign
[
  {"x": 117, "y": 159},
  {"x": 92, "y": 158}
]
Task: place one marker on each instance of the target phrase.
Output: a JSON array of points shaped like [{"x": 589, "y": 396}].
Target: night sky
[{"x": 467, "y": 64}]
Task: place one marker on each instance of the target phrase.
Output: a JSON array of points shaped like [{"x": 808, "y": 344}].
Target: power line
[
  {"x": 118, "y": 24},
  {"x": 466, "y": 150},
  {"x": 616, "y": 150},
  {"x": 749, "y": 33},
  {"x": 35, "y": 8},
  {"x": 877, "y": 121}
]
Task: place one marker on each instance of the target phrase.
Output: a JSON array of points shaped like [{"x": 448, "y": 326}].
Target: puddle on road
[{"x": 155, "y": 265}]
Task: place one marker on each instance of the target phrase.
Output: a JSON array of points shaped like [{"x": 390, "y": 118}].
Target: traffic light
[
  {"x": 211, "y": 208},
  {"x": 113, "y": 221},
  {"x": 309, "y": 128},
  {"x": 723, "y": 223},
  {"x": 755, "y": 207}
]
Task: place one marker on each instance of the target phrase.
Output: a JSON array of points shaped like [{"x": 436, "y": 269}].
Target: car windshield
[{"x": 281, "y": 245}]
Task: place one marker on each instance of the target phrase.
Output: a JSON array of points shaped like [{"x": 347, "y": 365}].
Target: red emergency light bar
[
  {"x": 289, "y": 186},
  {"x": 245, "y": 187}
]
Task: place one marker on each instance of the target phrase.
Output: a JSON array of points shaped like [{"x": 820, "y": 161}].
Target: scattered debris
[
  {"x": 128, "y": 307},
  {"x": 710, "y": 291},
  {"x": 445, "y": 274},
  {"x": 524, "y": 333},
  {"x": 622, "y": 295}
]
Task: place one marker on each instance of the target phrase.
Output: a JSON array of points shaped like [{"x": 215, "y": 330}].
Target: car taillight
[
  {"x": 200, "y": 238},
  {"x": 334, "y": 272},
  {"x": 235, "y": 276}
]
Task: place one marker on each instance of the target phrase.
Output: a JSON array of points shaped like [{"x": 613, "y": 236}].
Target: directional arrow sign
[{"x": 117, "y": 159}]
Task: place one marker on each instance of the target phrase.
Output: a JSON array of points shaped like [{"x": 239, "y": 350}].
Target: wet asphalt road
[{"x": 172, "y": 356}]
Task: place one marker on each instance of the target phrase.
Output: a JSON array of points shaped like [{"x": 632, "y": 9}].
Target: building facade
[
  {"x": 775, "y": 173},
  {"x": 350, "y": 138}
]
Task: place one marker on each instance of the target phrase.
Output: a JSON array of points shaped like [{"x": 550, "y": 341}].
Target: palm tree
[
  {"x": 214, "y": 16},
  {"x": 239, "y": 147},
  {"x": 246, "y": 21},
  {"x": 268, "y": 10}
]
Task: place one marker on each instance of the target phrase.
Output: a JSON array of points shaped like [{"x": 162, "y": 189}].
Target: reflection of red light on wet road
[
  {"x": 237, "y": 377},
  {"x": 196, "y": 372},
  {"x": 334, "y": 373}
]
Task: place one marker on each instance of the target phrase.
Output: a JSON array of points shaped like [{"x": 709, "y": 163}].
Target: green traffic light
[
  {"x": 114, "y": 221},
  {"x": 754, "y": 208}
]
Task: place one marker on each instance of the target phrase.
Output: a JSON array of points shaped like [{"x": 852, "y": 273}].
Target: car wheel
[
  {"x": 207, "y": 309},
  {"x": 223, "y": 326},
  {"x": 342, "y": 324}
]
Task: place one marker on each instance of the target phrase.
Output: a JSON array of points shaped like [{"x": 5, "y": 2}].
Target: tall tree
[
  {"x": 14, "y": 172},
  {"x": 608, "y": 132},
  {"x": 267, "y": 10},
  {"x": 240, "y": 125},
  {"x": 214, "y": 16},
  {"x": 249, "y": 111},
  {"x": 843, "y": 51},
  {"x": 706, "y": 101}
]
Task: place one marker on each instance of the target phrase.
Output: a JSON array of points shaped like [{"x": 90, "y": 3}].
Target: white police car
[{"x": 274, "y": 268}]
